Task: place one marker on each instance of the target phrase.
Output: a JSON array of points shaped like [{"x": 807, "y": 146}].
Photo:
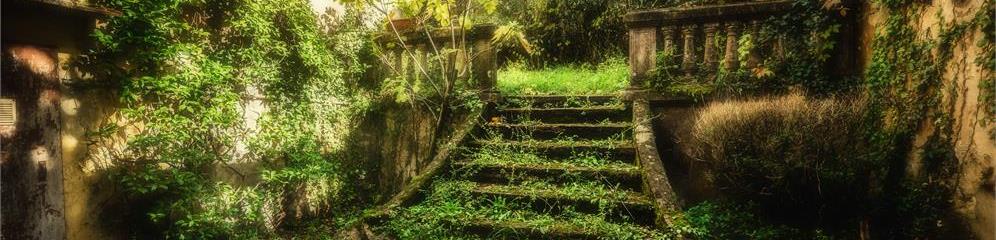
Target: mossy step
[
  {"x": 621, "y": 149},
  {"x": 559, "y": 229},
  {"x": 552, "y": 101},
  {"x": 628, "y": 198},
  {"x": 566, "y": 114},
  {"x": 546, "y": 131},
  {"x": 624, "y": 178},
  {"x": 453, "y": 210}
]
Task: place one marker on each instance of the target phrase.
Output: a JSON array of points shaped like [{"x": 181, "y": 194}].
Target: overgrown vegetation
[
  {"x": 768, "y": 151},
  {"x": 187, "y": 73},
  {"x": 729, "y": 220},
  {"x": 190, "y": 71},
  {"x": 906, "y": 97},
  {"x": 808, "y": 34},
  {"x": 564, "y": 31},
  {"x": 606, "y": 78},
  {"x": 451, "y": 207}
]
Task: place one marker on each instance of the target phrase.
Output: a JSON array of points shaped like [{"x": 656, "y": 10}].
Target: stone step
[
  {"x": 618, "y": 149},
  {"x": 547, "y": 131},
  {"x": 623, "y": 178},
  {"x": 598, "y": 114},
  {"x": 618, "y": 206},
  {"x": 558, "y": 229},
  {"x": 561, "y": 101}
]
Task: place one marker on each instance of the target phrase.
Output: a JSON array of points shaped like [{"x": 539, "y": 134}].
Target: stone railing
[
  {"x": 461, "y": 54},
  {"x": 690, "y": 33}
]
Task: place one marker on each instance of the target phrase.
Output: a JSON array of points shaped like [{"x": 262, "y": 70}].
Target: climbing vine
[
  {"x": 907, "y": 95},
  {"x": 188, "y": 73}
]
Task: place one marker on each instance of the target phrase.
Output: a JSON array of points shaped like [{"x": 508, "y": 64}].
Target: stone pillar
[
  {"x": 642, "y": 55},
  {"x": 688, "y": 59},
  {"x": 669, "y": 45},
  {"x": 754, "y": 55},
  {"x": 709, "y": 52},
  {"x": 730, "y": 60},
  {"x": 485, "y": 65}
]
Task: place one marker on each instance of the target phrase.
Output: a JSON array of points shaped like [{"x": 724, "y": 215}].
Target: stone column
[
  {"x": 709, "y": 52},
  {"x": 485, "y": 65},
  {"x": 688, "y": 59},
  {"x": 730, "y": 59},
  {"x": 669, "y": 45},
  {"x": 754, "y": 55}
]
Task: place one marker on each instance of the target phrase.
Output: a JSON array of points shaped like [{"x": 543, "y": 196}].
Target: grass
[
  {"x": 609, "y": 77},
  {"x": 450, "y": 207},
  {"x": 457, "y": 207},
  {"x": 509, "y": 155}
]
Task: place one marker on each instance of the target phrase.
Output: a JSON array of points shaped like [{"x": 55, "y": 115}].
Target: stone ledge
[
  {"x": 708, "y": 13},
  {"x": 439, "y": 35}
]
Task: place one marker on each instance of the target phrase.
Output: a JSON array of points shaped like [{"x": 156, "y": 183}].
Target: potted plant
[{"x": 400, "y": 21}]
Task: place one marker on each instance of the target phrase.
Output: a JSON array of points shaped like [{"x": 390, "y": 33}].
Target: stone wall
[
  {"x": 974, "y": 148},
  {"x": 83, "y": 190}
]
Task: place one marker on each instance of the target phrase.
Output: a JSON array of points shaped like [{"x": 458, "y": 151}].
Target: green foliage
[
  {"x": 608, "y": 77},
  {"x": 450, "y": 206},
  {"x": 727, "y": 220},
  {"x": 794, "y": 48},
  {"x": 565, "y": 31},
  {"x": 183, "y": 69},
  {"x": 904, "y": 84},
  {"x": 987, "y": 61}
]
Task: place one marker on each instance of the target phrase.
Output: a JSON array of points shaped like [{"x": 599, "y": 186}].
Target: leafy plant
[{"x": 185, "y": 68}]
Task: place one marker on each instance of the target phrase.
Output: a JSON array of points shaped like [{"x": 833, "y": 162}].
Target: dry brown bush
[{"x": 790, "y": 151}]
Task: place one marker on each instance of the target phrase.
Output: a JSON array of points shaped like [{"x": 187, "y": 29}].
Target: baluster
[
  {"x": 688, "y": 63},
  {"x": 730, "y": 59},
  {"x": 709, "y": 53},
  {"x": 779, "y": 49},
  {"x": 754, "y": 54},
  {"x": 669, "y": 46}
]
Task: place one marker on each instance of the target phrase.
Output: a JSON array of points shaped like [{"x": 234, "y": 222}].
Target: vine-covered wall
[
  {"x": 929, "y": 75},
  {"x": 211, "y": 119},
  {"x": 925, "y": 71}
]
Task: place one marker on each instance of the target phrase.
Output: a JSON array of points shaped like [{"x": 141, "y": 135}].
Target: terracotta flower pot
[{"x": 403, "y": 24}]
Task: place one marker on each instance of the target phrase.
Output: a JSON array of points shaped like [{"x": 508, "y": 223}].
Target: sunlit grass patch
[{"x": 606, "y": 78}]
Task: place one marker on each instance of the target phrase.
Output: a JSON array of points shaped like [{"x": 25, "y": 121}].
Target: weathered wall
[
  {"x": 975, "y": 149},
  {"x": 405, "y": 147},
  {"x": 86, "y": 189},
  {"x": 30, "y": 159},
  {"x": 673, "y": 125}
]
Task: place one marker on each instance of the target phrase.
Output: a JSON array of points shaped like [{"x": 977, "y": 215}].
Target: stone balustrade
[
  {"x": 690, "y": 34},
  {"x": 465, "y": 54}
]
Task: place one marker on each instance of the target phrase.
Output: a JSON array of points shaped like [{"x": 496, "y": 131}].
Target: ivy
[
  {"x": 185, "y": 70},
  {"x": 907, "y": 94},
  {"x": 801, "y": 60}
]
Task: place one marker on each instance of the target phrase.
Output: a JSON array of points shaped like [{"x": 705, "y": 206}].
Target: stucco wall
[
  {"x": 86, "y": 190},
  {"x": 975, "y": 150}
]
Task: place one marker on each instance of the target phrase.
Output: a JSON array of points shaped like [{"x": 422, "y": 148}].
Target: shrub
[
  {"x": 728, "y": 220},
  {"x": 567, "y": 31},
  {"x": 801, "y": 155}
]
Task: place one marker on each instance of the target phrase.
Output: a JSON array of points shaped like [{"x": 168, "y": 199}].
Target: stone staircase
[{"x": 540, "y": 167}]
